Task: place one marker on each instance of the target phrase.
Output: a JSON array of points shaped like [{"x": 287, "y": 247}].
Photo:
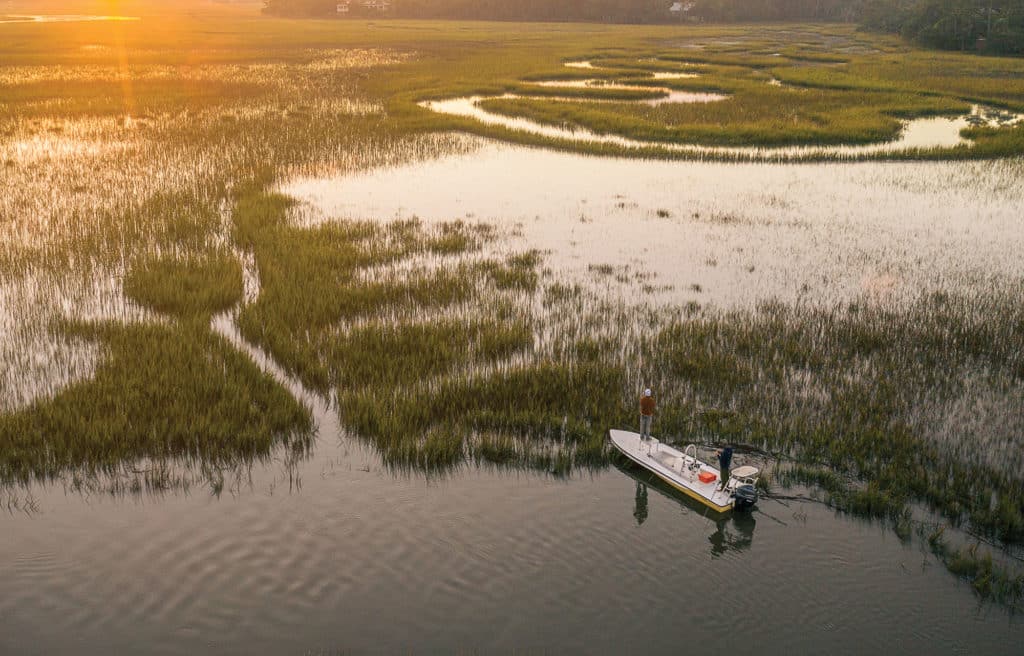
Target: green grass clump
[
  {"x": 988, "y": 579},
  {"x": 168, "y": 393},
  {"x": 517, "y": 272},
  {"x": 186, "y": 286},
  {"x": 546, "y": 401},
  {"x": 863, "y": 501},
  {"x": 594, "y": 92},
  {"x": 756, "y": 115},
  {"x": 996, "y": 141},
  {"x": 381, "y": 355},
  {"x": 315, "y": 281},
  {"x": 996, "y": 82}
]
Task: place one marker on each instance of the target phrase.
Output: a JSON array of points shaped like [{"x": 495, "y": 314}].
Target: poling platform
[{"x": 682, "y": 470}]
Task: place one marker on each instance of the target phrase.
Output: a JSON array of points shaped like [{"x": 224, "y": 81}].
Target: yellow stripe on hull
[{"x": 693, "y": 495}]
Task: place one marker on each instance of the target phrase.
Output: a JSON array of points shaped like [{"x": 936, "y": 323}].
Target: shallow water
[
  {"x": 670, "y": 95},
  {"x": 740, "y": 232},
  {"x": 359, "y": 561}
]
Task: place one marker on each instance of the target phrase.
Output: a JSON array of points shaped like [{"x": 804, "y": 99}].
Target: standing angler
[
  {"x": 724, "y": 461},
  {"x": 646, "y": 413}
]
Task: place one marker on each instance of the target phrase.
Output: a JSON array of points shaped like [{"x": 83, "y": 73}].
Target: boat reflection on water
[
  {"x": 734, "y": 531},
  {"x": 640, "y": 505}
]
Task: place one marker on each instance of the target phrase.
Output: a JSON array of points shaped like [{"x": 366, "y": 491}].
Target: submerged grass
[{"x": 988, "y": 578}]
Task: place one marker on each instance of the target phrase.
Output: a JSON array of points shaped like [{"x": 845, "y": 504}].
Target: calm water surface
[
  {"x": 342, "y": 555},
  {"x": 364, "y": 561},
  {"x": 360, "y": 560}
]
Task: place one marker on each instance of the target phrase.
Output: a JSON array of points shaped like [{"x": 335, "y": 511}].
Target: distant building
[
  {"x": 364, "y": 7},
  {"x": 681, "y": 11}
]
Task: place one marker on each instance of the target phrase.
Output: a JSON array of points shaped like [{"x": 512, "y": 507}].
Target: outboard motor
[
  {"x": 745, "y": 497},
  {"x": 744, "y": 494}
]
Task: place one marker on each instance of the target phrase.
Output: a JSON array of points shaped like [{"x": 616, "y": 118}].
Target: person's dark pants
[{"x": 725, "y": 477}]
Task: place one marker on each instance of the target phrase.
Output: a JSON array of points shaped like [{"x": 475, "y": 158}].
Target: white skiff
[{"x": 682, "y": 470}]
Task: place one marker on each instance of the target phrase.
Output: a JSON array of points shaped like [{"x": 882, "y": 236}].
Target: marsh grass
[
  {"x": 592, "y": 92},
  {"x": 419, "y": 383},
  {"x": 914, "y": 71},
  {"x": 844, "y": 388},
  {"x": 161, "y": 392},
  {"x": 998, "y": 580},
  {"x": 754, "y": 114},
  {"x": 122, "y": 172},
  {"x": 847, "y": 496},
  {"x": 186, "y": 286},
  {"x": 989, "y": 578},
  {"x": 838, "y": 90},
  {"x": 438, "y": 349},
  {"x": 837, "y": 389}
]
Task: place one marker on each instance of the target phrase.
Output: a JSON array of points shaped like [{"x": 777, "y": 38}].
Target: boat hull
[{"x": 673, "y": 467}]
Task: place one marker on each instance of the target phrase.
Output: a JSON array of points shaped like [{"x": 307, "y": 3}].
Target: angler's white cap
[{"x": 647, "y": 392}]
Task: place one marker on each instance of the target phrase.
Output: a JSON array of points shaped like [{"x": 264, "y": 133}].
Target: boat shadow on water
[{"x": 733, "y": 531}]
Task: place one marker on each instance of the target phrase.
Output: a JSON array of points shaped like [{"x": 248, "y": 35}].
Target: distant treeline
[
  {"x": 995, "y": 26},
  {"x": 629, "y": 11},
  {"x": 612, "y": 11}
]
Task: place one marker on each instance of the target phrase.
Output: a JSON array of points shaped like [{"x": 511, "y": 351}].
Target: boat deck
[{"x": 672, "y": 466}]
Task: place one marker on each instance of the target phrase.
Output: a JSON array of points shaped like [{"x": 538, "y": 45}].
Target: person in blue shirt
[{"x": 724, "y": 461}]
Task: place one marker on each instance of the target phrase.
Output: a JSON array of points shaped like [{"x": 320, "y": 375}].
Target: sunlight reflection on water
[
  {"x": 61, "y": 18},
  {"x": 739, "y": 232}
]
